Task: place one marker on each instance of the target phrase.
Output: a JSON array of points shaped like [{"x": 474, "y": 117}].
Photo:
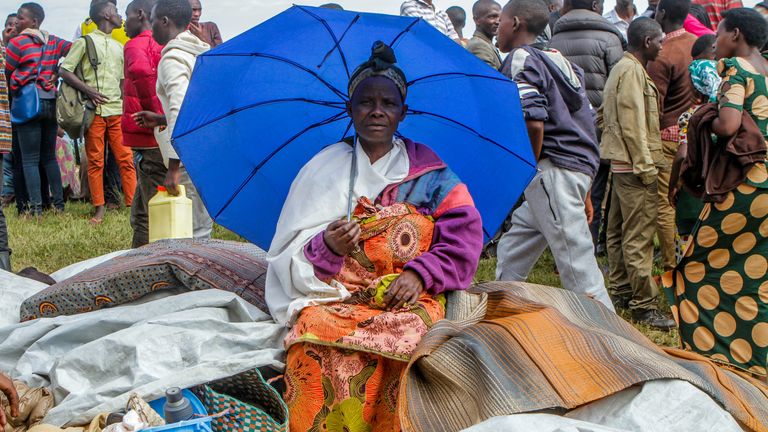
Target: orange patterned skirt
[{"x": 345, "y": 360}]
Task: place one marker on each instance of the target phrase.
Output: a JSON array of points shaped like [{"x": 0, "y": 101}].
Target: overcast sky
[
  {"x": 233, "y": 16},
  {"x": 236, "y": 16}
]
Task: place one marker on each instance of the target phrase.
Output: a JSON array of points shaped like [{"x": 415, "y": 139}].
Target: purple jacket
[{"x": 451, "y": 262}]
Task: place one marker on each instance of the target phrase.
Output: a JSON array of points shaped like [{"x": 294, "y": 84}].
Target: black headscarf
[{"x": 381, "y": 63}]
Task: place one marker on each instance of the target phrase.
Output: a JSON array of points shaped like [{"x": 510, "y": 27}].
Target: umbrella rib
[
  {"x": 333, "y": 35},
  {"x": 290, "y": 62},
  {"x": 478, "y": 134},
  {"x": 258, "y": 104},
  {"x": 346, "y": 131},
  {"x": 405, "y": 30},
  {"x": 255, "y": 170},
  {"x": 461, "y": 74}
]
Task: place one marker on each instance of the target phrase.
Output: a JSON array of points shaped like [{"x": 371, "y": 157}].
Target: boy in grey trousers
[{"x": 561, "y": 127}]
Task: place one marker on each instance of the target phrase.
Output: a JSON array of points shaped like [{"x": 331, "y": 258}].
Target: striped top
[
  {"x": 5, "y": 110},
  {"x": 435, "y": 17},
  {"x": 23, "y": 55},
  {"x": 715, "y": 9}
]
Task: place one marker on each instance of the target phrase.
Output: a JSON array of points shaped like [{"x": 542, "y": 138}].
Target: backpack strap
[
  {"x": 93, "y": 57},
  {"x": 90, "y": 51}
]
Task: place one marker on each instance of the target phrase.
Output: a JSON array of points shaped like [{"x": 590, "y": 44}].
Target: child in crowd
[
  {"x": 560, "y": 123},
  {"x": 706, "y": 81}
]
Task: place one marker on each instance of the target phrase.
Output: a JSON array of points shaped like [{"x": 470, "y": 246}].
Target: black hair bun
[{"x": 382, "y": 56}]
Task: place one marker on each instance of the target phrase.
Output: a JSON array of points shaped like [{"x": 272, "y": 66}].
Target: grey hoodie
[{"x": 173, "y": 75}]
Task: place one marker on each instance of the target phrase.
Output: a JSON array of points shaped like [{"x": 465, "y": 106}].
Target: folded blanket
[
  {"x": 539, "y": 348},
  {"x": 185, "y": 265}
]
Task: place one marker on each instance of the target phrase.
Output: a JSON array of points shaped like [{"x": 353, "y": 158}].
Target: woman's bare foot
[{"x": 98, "y": 217}]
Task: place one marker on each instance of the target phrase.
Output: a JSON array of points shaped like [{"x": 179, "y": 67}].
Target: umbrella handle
[{"x": 352, "y": 180}]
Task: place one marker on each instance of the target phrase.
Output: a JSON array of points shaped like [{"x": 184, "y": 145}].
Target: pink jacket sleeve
[{"x": 693, "y": 26}]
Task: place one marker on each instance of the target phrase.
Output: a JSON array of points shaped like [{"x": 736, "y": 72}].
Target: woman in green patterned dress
[{"x": 721, "y": 285}]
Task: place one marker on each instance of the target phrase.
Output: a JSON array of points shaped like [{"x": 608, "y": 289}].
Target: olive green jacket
[
  {"x": 629, "y": 119},
  {"x": 483, "y": 48}
]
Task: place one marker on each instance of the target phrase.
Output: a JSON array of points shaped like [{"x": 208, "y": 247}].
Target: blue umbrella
[{"x": 263, "y": 104}]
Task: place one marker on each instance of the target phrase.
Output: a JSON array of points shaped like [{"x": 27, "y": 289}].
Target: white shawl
[{"x": 318, "y": 196}]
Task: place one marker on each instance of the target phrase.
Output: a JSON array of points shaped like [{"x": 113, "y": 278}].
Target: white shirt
[
  {"x": 622, "y": 25},
  {"x": 435, "y": 17}
]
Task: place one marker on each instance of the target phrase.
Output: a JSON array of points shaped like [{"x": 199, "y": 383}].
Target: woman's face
[
  {"x": 377, "y": 109},
  {"x": 726, "y": 42}
]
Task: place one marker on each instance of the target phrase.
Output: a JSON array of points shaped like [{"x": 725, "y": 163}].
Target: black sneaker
[{"x": 654, "y": 318}]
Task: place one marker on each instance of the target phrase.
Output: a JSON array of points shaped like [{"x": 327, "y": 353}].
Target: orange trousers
[{"x": 108, "y": 127}]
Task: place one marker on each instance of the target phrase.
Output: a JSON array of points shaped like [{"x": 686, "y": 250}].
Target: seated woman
[
  {"x": 721, "y": 288},
  {"x": 359, "y": 294}
]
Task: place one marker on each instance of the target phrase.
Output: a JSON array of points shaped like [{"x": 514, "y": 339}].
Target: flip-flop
[{"x": 96, "y": 221}]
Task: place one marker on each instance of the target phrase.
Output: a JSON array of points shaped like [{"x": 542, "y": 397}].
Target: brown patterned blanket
[{"x": 190, "y": 265}]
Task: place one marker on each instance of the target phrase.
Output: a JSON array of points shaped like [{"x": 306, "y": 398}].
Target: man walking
[
  {"x": 676, "y": 94},
  {"x": 632, "y": 142},
  {"x": 103, "y": 86},
  {"x": 170, "y": 19},
  {"x": 486, "y": 14},
  {"x": 562, "y": 132},
  {"x": 142, "y": 56}
]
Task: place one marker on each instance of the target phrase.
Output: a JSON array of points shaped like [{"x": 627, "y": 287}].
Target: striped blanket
[
  {"x": 5, "y": 108},
  {"x": 528, "y": 348}
]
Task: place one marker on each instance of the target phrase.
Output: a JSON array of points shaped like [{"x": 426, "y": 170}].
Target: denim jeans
[
  {"x": 7, "y": 175},
  {"x": 37, "y": 142},
  {"x": 20, "y": 186}
]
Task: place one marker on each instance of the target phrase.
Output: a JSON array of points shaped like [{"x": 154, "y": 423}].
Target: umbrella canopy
[{"x": 263, "y": 104}]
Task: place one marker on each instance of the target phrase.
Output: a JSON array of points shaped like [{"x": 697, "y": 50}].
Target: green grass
[{"x": 58, "y": 240}]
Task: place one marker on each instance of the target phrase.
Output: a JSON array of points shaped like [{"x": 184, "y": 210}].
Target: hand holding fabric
[
  {"x": 7, "y": 388},
  {"x": 342, "y": 237},
  {"x": 406, "y": 289}
]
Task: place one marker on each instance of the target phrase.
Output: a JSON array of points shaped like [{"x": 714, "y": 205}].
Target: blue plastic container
[{"x": 202, "y": 424}]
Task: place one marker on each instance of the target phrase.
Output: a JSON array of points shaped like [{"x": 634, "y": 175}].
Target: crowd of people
[{"x": 644, "y": 125}]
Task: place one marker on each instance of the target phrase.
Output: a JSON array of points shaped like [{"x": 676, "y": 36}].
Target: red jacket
[{"x": 142, "y": 55}]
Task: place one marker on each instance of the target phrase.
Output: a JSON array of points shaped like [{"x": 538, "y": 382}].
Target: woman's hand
[
  {"x": 407, "y": 288},
  {"x": 7, "y": 388},
  {"x": 672, "y": 195},
  {"x": 588, "y": 208},
  {"x": 342, "y": 237}
]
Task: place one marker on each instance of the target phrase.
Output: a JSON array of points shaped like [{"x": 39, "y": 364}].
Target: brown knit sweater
[{"x": 670, "y": 74}]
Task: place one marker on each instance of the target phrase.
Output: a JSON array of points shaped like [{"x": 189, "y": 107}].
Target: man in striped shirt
[
  {"x": 426, "y": 10},
  {"x": 715, "y": 9},
  {"x": 37, "y": 139}
]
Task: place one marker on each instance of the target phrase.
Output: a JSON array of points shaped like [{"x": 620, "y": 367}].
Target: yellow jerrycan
[{"x": 170, "y": 217}]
